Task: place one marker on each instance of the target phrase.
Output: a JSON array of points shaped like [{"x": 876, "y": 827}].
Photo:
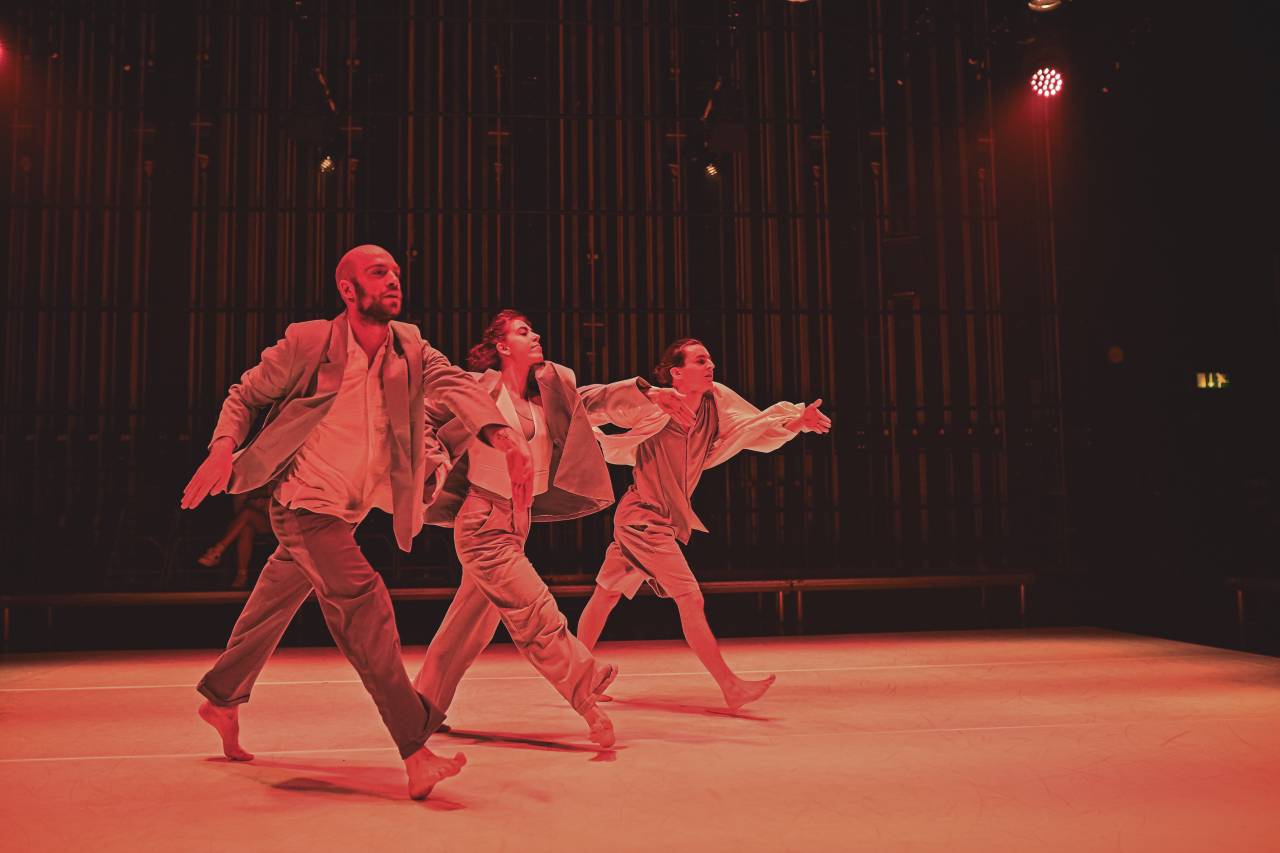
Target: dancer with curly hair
[{"x": 539, "y": 400}]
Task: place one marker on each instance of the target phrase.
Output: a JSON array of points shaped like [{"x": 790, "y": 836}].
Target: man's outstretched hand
[{"x": 212, "y": 476}]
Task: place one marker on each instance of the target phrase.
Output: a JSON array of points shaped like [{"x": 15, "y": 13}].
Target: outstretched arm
[
  {"x": 744, "y": 427},
  {"x": 629, "y": 401},
  {"x": 811, "y": 419},
  {"x": 451, "y": 392},
  {"x": 259, "y": 386},
  {"x": 519, "y": 462}
]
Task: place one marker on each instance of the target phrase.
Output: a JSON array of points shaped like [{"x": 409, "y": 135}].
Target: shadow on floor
[{"x": 380, "y": 783}]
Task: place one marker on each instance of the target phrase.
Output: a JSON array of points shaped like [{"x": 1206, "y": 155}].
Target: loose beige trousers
[{"x": 499, "y": 584}]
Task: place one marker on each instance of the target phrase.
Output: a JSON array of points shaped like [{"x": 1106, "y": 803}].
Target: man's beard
[{"x": 373, "y": 309}]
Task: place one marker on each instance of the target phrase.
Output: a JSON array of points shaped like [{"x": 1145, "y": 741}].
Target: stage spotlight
[
  {"x": 1043, "y": 5},
  {"x": 1046, "y": 82},
  {"x": 327, "y": 164},
  {"x": 712, "y": 170}
]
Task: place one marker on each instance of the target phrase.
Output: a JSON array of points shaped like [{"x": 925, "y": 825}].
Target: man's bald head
[
  {"x": 355, "y": 260},
  {"x": 368, "y": 278}
]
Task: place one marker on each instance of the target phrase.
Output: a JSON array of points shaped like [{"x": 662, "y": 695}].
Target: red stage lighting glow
[{"x": 1046, "y": 82}]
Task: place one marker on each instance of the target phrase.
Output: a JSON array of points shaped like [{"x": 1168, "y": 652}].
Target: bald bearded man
[{"x": 346, "y": 433}]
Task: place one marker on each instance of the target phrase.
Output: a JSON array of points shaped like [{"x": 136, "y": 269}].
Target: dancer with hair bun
[{"x": 491, "y": 519}]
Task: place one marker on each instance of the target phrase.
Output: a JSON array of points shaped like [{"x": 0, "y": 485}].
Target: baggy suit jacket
[
  {"x": 299, "y": 378},
  {"x": 578, "y": 477}
]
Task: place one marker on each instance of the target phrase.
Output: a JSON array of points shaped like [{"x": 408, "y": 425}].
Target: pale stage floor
[{"x": 1038, "y": 740}]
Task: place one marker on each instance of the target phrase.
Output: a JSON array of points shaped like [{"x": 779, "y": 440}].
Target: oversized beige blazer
[
  {"x": 577, "y": 475},
  {"x": 299, "y": 378}
]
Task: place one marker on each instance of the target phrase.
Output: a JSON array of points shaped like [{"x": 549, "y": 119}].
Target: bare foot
[
  {"x": 425, "y": 769},
  {"x": 227, "y": 723},
  {"x": 211, "y": 557},
  {"x": 740, "y": 691},
  {"x": 601, "y": 727}
]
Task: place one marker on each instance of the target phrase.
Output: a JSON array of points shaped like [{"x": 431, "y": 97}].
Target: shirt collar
[{"x": 353, "y": 344}]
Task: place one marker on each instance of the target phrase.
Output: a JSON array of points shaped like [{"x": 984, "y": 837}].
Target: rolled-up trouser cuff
[
  {"x": 203, "y": 690},
  {"x": 435, "y": 717}
]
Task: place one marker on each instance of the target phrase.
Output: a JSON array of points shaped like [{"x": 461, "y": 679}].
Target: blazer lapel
[
  {"x": 329, "y": 376},
  {"x": 555, "y": 406},
  {"x": 413, "y": 360},
  {"x": 395, "y": 391},
  {"x": 491, "y": 382}
]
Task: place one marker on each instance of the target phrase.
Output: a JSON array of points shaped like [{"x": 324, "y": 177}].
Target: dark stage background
[{"x": 1003, "y": 300}]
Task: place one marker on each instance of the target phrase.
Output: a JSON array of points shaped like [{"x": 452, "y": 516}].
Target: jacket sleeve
[
  {"x": 744, "y": 427},
  {"x": 260, "y": 386},
  {"x": 438, "y": 464},
  {"x": 450, "y": 392},
  {"x": 621, "y": 403}
]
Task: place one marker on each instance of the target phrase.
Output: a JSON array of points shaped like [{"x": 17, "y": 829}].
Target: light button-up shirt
[
  {"x": 343, "y": 469},
  {"x": 668, "y": 468}
]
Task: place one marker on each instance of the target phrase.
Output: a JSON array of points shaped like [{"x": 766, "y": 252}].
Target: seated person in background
[{"x": 249, "y": 519}]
